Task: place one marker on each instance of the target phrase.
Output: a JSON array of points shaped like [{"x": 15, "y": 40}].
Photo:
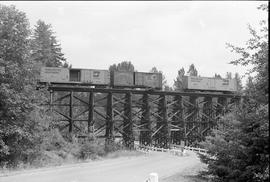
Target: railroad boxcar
[
  {"x": 96, "y": 77},
  {"x": 73, "y": 75},
  {"x": 54, "y": 74},
  {"x": 120, "y": 78},
  {"x": 152, "y": 80},
  {"x": 209, "y": 84}
]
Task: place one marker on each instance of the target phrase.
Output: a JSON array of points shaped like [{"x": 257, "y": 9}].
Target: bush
[
  {"x": 91, "y": 149},
  {"x": 112, "y": 146},
  {"x": 238, "y": 150}
]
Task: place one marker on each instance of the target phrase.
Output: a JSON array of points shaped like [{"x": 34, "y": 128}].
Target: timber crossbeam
[{"x": 154, "y": 117}]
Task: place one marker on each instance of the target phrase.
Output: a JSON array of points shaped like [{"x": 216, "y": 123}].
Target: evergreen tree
[
  {"x": 165, "y": 86},
  {"x": 123, "y": 66},
  {"x": 229, "y": 75},
  {"x": 192, "y": 71},
  {"x": 179, "y": 82},
  {"x": 217, "y": 76},
  {"x": 46, "y": 50},
  {"x": 239, "y": 149},
  {"x": 238, "y": 82},
  {"x": 256, "y": 54},
  {"x": 250, "y": 87},
  {"x": 17, "y": 92}
]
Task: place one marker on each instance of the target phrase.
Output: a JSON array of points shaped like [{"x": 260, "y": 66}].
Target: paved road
[{"x": 125, "y": 169}]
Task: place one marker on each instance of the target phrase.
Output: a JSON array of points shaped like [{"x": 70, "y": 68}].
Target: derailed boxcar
[
  {"x": 152, "y": 80},
  {"x": 54, "y": 75},
  {"x": 209, "y": 84},
  {"x": 120, "y": 78}
]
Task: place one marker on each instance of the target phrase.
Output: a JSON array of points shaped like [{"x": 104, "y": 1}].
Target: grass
[{"x": 51, "y": 159}]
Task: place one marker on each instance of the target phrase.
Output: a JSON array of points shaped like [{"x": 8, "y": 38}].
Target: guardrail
[
  {"x": 199, "y": 150},
  {"x": 146, "y": 149},
  {"x": 153, "y": 177},
  {"x": 176, "y": 150}
]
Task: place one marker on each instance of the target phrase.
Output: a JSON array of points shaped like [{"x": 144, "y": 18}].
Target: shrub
[
  {"x": 112, "y": 146},
  {"x": 91, "y": 149},
  {"x": 238, "y": 150}
]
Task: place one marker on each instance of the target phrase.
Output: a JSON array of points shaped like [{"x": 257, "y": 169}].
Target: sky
[{"x": 166, "y": 34}]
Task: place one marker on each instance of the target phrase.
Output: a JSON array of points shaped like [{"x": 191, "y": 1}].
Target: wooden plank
[
  {"x": 109, "y": 119},
  {"x": 133, "y": 91},
  {"x": 91, "y": 113},
  {"x": 71, "y": 113}
]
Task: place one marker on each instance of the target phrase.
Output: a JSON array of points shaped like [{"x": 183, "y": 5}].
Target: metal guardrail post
[{"x": 153, "y": 177}]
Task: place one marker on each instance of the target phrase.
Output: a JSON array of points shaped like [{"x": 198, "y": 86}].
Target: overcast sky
[{"x": 165, "y": 34}]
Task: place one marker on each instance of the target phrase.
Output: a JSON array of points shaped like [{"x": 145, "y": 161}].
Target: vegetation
[
  {"x": 192, "y": 70},
  {"x": 238, "y": 148},
  {"x": 45, "y": 49},
  {"x": 28, "y": 133},
  {"x": 123, "y": 66},
  {"x": 17, "y": 108},
  {"x": 178, "y": 83}
]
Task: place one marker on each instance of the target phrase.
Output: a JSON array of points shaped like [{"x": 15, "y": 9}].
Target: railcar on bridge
[
  {"x": 195, "y": 83},
  {"x": 96, "y": 78},
  {"x": 109, "y": 105}
]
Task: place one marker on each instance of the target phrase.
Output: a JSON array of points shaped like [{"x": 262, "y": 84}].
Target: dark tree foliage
[
  {"x": 123, "y": 66},
  {"x": 229, "y": 75},
  {"x": 256, "y": 54},
  {"x": 239, "y": 148},
  {"x": 217, "y": 76},
  {"x": 179, "y": 82},
  {"x": 16, "y": 92},
  {"x": 46, "y": 50},
  {"x": 24, "y": 124},
  {"x": 192, "y": 71},
  {"x": 238, "y": 82},
  {"x": 14, "y": 43}
]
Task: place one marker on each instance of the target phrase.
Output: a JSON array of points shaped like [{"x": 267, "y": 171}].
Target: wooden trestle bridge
[{"x": 158, "y": 118}]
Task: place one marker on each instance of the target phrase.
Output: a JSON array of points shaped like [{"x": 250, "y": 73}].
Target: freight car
[
  {"x": 153, "y": 80},
  {"x": 193, "y": 83},
  {"x": 93, "y": 77},
  {"x": 74, "y": 76},
  {"x": 122, "y": 79}
]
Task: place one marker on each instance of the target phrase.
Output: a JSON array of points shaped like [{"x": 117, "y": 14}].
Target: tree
[
  {"x": 17, "y": 96},
  {"x": 217, "y": 76},
  {"x": 238, "y": 150},
  {"x": 14, "y": 43},
  {"x": 256, "y": 54},
  {"x": 45, "y": 48},
  {"x": 250, "y": 87},
  {"x": 238, "y": 82},
  {"x": 123, "y": 66},
  {"x": 179, "y": 82},
  {"x": 229, "y": 75},
  {"x": 192, "y": 71},
  {"x": 165, "y": 86},
  {"x": 23, "y": 122}
]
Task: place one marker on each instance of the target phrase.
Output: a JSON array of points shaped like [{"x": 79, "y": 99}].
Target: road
[{"x": 123, "y": 169}]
